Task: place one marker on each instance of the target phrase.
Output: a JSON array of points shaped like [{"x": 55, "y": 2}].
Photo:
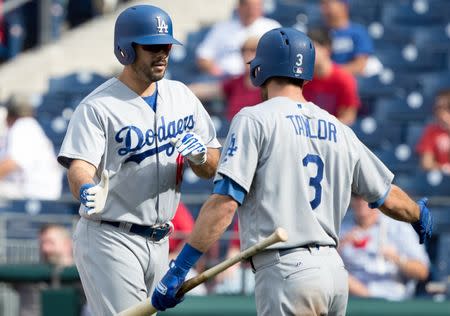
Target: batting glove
[
  {"x": 191, "y": 146},
  {"x": 424, "y": 226},
  {"x": 94, "y": 196},
  {"x": 165, "y": 293}
]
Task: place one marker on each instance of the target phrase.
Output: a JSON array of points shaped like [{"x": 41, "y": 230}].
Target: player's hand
[
  {"x": 191, "y": 146},
  {"x": 94, "y": 196},
  {"x": 424, "y": 226},
  {"x": 164, "y": 295}
]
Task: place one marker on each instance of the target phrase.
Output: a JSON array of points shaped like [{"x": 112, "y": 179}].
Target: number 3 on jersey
[{"x": 315, "y": 181}]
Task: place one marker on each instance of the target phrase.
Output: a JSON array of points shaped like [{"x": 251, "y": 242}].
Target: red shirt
[
  {"x": 435, "y": 140},
  {"x": 235, "y": 242},
  {"x": 336, "y": 92},
  {"x": 183, "y": 223},
  {"x": 239, "y": 95}
]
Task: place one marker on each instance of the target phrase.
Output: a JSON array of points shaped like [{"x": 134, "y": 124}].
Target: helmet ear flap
[{"x": 125, "y": 54}]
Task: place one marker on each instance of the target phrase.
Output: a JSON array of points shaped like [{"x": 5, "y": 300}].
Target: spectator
[
  {"x": 238, "y": 91},
  {"x": 55, "y": 245},
  {"x": 332, "y": 88},
  {"x": 352, "y": 45},
  {"x": 28, "y": 167},
  {"x": 383, "y": 256},
  {"x": 183, "y": 223},
  {"x": 434, "y": 145},
  {"x": 219, "y": 54}
]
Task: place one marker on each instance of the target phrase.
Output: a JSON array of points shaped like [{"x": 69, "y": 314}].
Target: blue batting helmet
[
  {"x": 283, "y": 52},
  {"x": 141, "y": 24}
]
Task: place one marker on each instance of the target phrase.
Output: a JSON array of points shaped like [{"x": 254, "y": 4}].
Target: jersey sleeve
[
  {"x": 204, "y": 126},
  {"x": 226, "y": 186},
  {"x": 371, "y": 178},
  {"x": 85, "y": 137},
  {"x": 239, "y": 157}
]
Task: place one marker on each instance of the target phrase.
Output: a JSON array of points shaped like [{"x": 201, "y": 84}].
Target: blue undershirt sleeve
[{"x": 227, "y": 186}]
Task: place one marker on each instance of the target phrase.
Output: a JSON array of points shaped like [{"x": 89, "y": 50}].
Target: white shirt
[
  {"x": 223, "y": 42},
  {"x": 365, "y": 262},
  {"x": 39, "y": 175}
]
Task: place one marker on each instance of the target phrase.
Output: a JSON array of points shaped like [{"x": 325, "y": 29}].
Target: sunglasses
[{"x": 157, "y": 48}]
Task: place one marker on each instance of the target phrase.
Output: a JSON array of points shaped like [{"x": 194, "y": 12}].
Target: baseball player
[
  {"x": 289, "y": 163},
  {"x": 124, "y": 152}
]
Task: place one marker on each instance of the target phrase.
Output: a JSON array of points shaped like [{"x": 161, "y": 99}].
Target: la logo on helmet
[{"x": 162, "y": 26}]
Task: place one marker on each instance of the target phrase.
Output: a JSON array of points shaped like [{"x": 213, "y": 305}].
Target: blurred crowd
[
  {"x": 21, "y": 21},
  {"x": 383, "y": 257}
]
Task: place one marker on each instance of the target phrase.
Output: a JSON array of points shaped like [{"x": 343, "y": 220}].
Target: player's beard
[{"x": 145, "y": 72}]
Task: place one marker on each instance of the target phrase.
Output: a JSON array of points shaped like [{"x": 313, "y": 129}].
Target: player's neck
[
  {"x": 139, "y": 86},
  {"x": 290, "y": 91}
]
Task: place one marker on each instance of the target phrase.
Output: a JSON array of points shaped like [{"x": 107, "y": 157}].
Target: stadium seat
[
  {"x": 422, "y": 183},
  {"x": 425, "y": 12},
  {"x": 51, "y": 106},
  {"x": 15, "y": 34},
  {"x": 55, "y": 129},
  {"x": 290, "y": 13},
  {"x": 376, "y": 135},
  {"x": 443, "y": 257},
  {"x": 76, "y": 83},
  {"x": 413, "y": 107},
  {"x": 221, "y": 124},
  {"x": 399, "y": 159},
  {"x": 41, "y": 207},
  {"x": 432, "y": 83},
  {"x": 412, "y": 59},
  {"x": 182, "y": 65},
  {"x": 363, "y": 11},
  {"x": 389, "y": 36},
  {"x": 441, "y": 219},
  {"x": 378, "y": 86},
  {"x": 414, "y": 132},
  {"x": 435, "y": 38}
]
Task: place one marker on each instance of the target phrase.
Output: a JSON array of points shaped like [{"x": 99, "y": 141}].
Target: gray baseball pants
[
  {"x": 118, "y": 269},
  {"x": 308, "y": 281}
]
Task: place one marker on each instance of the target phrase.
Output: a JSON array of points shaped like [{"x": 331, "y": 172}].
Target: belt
[
  {"x": 285, "y": 251},
  {"x": 155, "y": 233}
]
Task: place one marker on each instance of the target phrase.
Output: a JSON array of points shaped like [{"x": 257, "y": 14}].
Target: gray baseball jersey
[
  {"x": 115, "y": 129},
  {"x": 298, "y": 165}
]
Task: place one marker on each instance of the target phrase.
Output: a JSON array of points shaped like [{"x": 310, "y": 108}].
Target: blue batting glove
[
  {"x": 84, "y": 199},
  {"x": 424, "y": 226},
  {"x": 164, "y": 295}
]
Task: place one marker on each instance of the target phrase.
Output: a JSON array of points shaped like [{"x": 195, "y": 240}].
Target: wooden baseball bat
[{"x": 145, "y": 307}]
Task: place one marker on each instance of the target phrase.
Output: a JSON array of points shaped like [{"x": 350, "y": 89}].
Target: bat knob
[{"x": 281, "y": 233}]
